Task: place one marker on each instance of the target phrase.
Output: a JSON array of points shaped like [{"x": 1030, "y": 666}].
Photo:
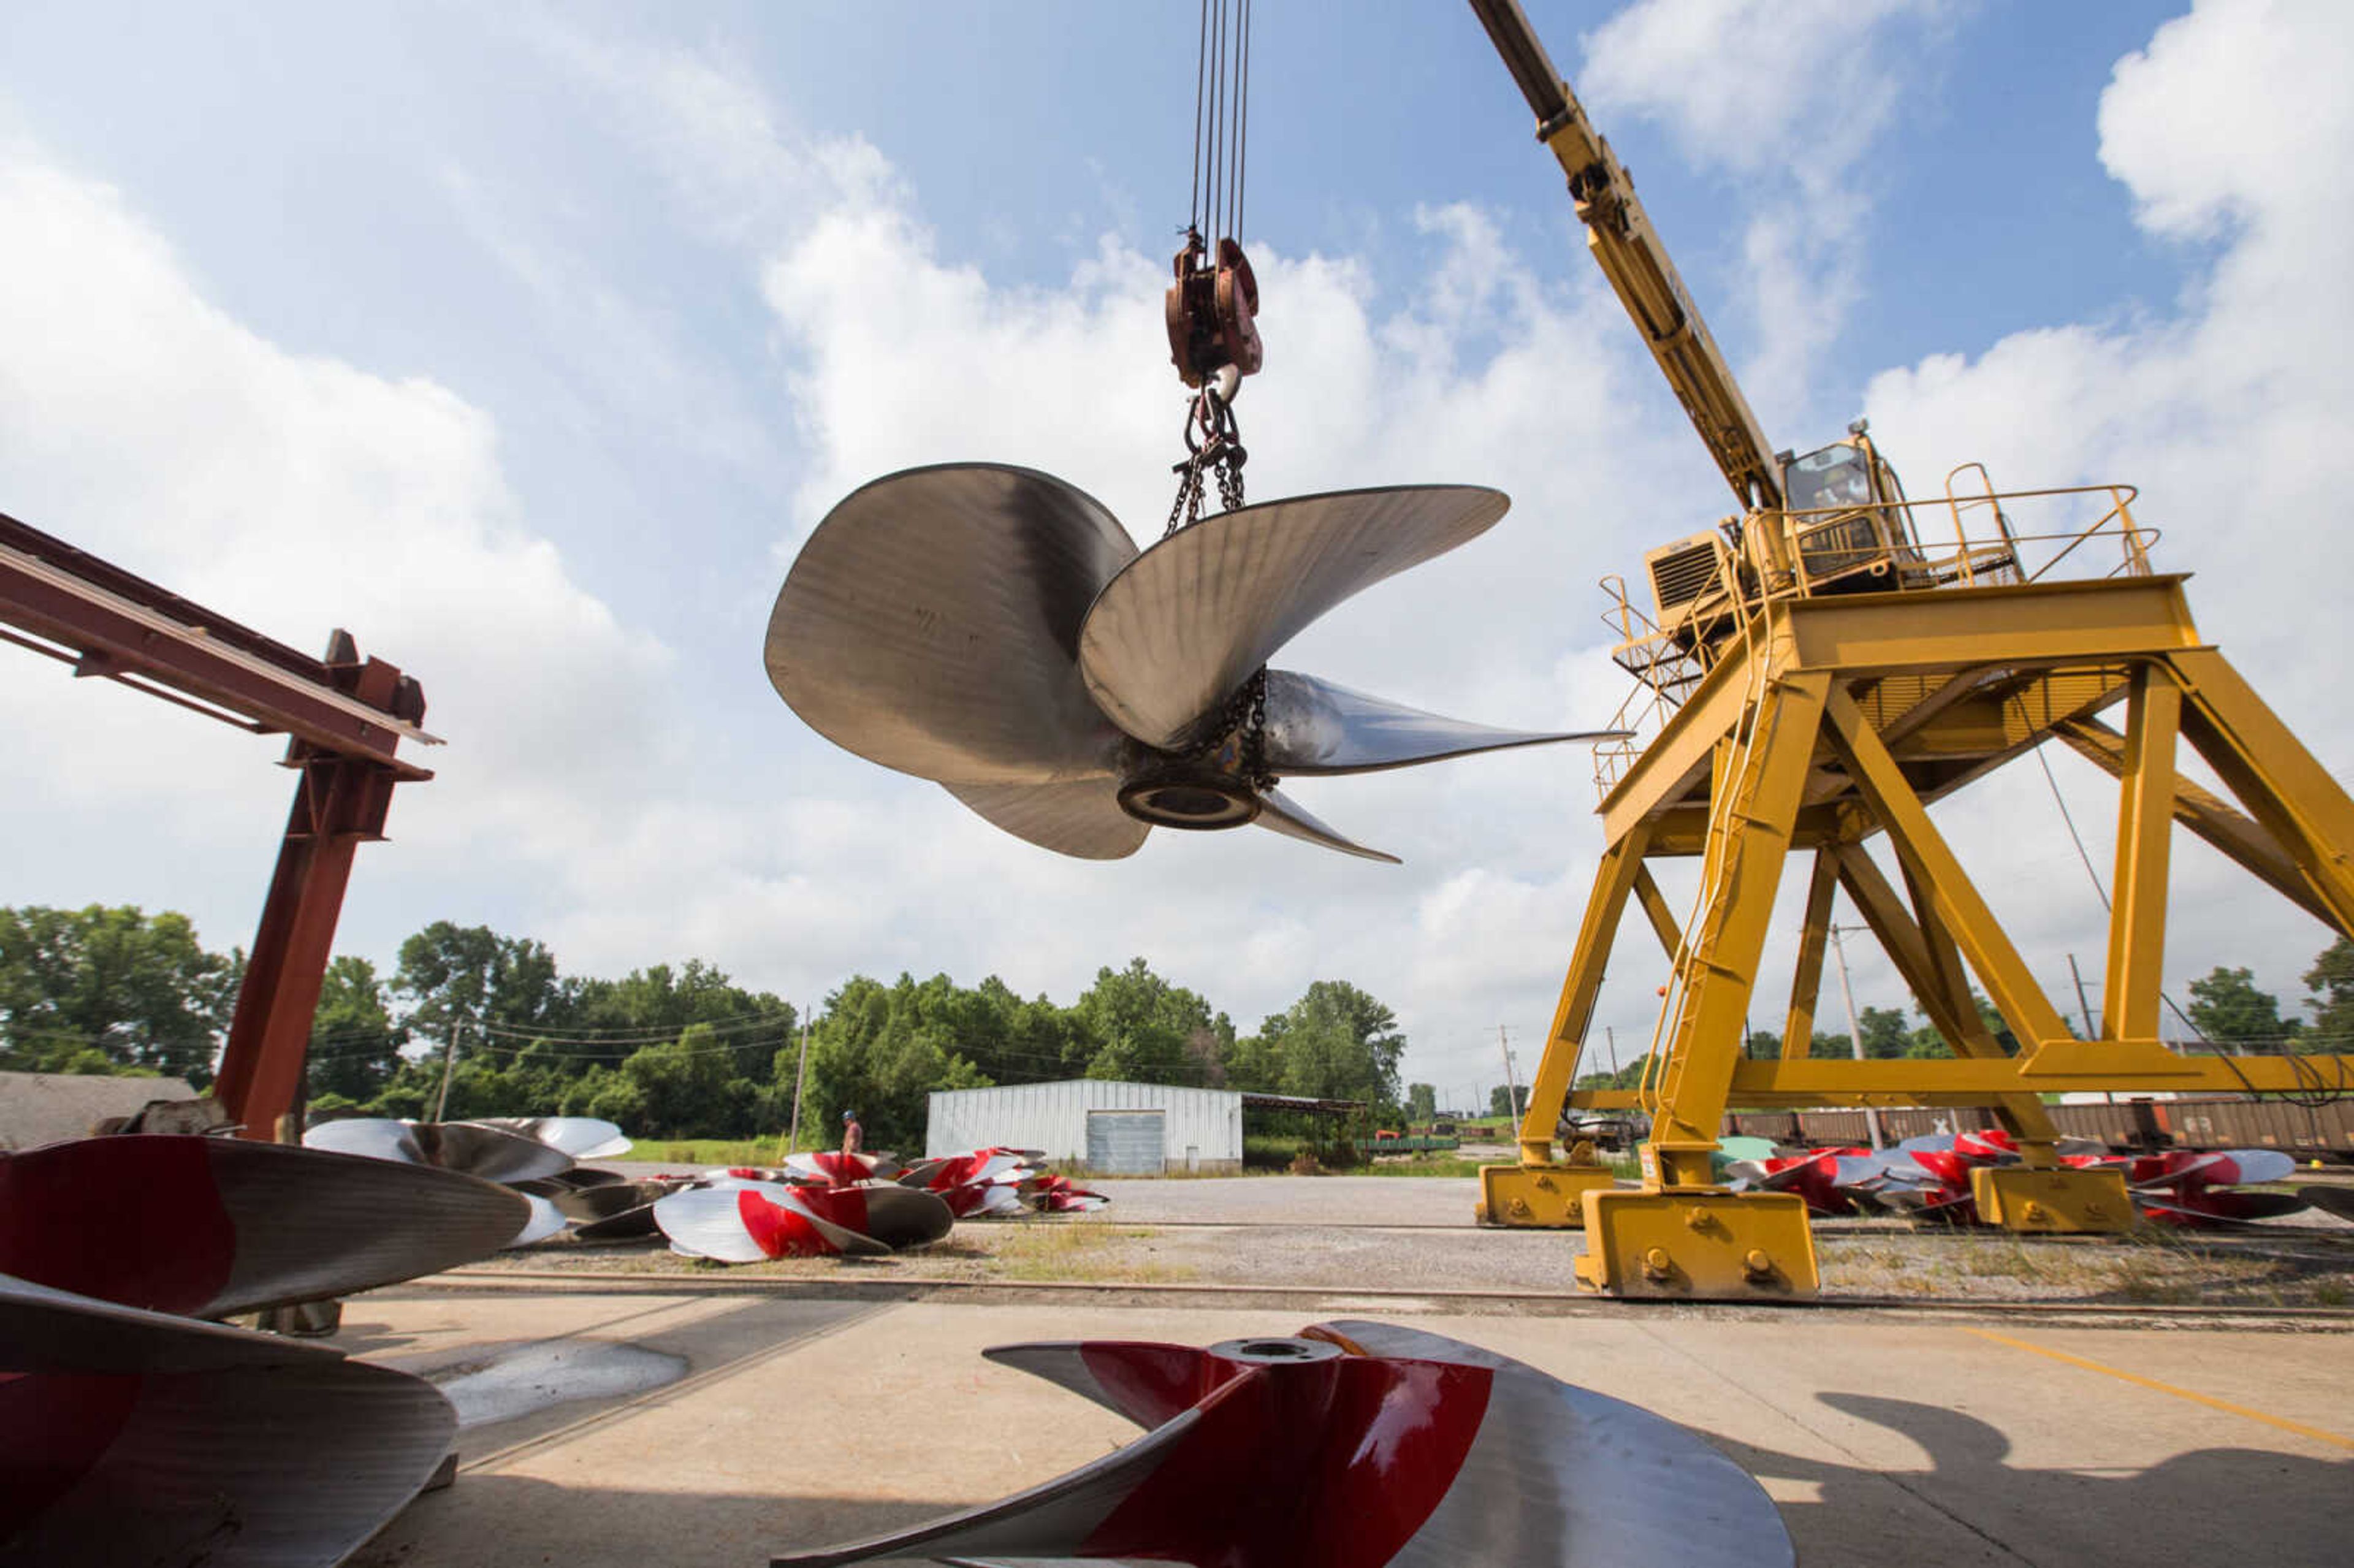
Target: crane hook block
[{"x": 1210, "y": 310}]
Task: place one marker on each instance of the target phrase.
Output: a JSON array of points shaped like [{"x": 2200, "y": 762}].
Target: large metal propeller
[
  {"x": 1354, "y": 1445},
  {"x": 995, "y": 630}
]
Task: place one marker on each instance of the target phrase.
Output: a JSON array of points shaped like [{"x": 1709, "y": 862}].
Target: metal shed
[{"x": 1105, "y": 1125}]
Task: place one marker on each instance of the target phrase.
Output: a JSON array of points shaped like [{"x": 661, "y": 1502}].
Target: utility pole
[
  {"x": 1854, "y": 1034},
  {"x": 801, "y": 1075},
  {"x": 1512, "y": 1082},
  {"x": 2084, "y": 1003},
  {"x": 448, "y": 1061},
  {"x": 2085, "y": 1009},
  {"x": 1610, "y": 1043}
]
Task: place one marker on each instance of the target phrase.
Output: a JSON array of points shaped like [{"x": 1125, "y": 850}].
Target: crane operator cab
[
  {"x": 1844, "y": 527},
  {"x": 1843, "y": 517}
]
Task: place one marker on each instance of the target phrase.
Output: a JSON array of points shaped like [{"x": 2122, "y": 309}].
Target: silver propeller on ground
[{"x": 993, "y": 630}]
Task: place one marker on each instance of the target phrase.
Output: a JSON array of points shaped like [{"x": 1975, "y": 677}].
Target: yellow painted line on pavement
[{"x": 2299, "y": 1427}]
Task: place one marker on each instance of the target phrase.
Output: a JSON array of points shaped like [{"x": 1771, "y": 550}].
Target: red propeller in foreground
[
  {"x": 209, "y": 1226},
  {"x": 132, "y": 1437},
  {"x": 1355, "y": 1445}
]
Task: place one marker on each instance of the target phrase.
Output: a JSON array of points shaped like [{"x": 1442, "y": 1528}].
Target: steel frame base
[
  {"x": 1540, "y": 1197},
  {"x": 1692, "y": 1245},
  {"x": 2053, "y": 1203}
]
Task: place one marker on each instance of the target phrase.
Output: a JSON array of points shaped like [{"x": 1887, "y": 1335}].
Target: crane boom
[{"x": 1631, "y": 257}]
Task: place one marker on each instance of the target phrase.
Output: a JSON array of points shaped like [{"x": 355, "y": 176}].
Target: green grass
[
  {"x": 1435, "y": 1165},
  {"x": 1094, "y": 1253},
  {"x": 701, "y": 1152}
]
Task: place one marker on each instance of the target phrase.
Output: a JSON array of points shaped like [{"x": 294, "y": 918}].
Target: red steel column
[{"x": 339, "y": 802}]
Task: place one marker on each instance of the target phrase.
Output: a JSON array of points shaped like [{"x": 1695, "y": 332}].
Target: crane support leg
[
  {"x": 1807, "y": 983},
  {"x": 1683, "y": 1235},
  {"x": 1539, "y": 1192},
  {"x": 339, "y": 802}
]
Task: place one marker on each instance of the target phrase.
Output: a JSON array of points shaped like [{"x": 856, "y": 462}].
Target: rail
[{"x": 1879, "y": 548}]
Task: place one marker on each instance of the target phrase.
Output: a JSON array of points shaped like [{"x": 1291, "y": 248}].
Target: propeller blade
[
  {"x": 209, "y": 1226},
  {"x": 144, "y": 1437},
  {"x": 1316, "y": 727},
  {"x": 581, "y": 1137},
  {"x": 1355, "y": 1443},
  {"x": 896, "y": 1216},
  {"x": 544, "y": 1220},
  {"x": 1081, "y": 817},
  {"x": 2251, "y": 1167},
  {"x": 48, "y": 1330},
  {"x": 931, "y": 624},
  {"x": 1279, "y": 812},
  {"x": 591, "y": 1205},
  {"x": 2216, "y": 1207},
  {"x": 477, "y": 1148},
  {"x": 621, "y": 1224},
  {"x": 2338, "y": 1201},
  {"x": 1188, "y": 621},
  {"x": 754, "y": 1221}
]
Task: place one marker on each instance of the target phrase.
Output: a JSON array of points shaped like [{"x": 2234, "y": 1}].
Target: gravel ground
[
  {"x": 1412, "y": 1234},
  {"x": 1279, "y": 1199}
]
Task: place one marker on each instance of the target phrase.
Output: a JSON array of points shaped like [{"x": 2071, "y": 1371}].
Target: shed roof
[
  {"x": 1301, "y": 1103},
  {"x": 42, "y": 1107}
]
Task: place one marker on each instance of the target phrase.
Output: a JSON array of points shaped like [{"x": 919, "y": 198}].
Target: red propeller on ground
[
  {"x": 129, "y": 1436},
  {"x": 1355, "y": 1445},
  {"x": 209, "y": 1226}
]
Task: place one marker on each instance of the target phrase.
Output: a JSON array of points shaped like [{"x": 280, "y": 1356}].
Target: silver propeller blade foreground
[
  {"x": 931, "y": 624},
  {"x": 1279, "y": 812},
  {"x": 1316, "y": 727},
  {"x": 1188, "y": 621},
  {"x": 135, "y": 1436}
]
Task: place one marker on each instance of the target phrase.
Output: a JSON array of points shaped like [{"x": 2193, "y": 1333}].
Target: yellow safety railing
[{"x": 1830, "y": 547}]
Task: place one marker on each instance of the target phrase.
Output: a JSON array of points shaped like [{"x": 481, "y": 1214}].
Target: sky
[{"x": 528, "y": 343}]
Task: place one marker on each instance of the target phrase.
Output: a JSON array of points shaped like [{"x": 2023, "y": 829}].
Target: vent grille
[{"x": 1679, "y": 577}]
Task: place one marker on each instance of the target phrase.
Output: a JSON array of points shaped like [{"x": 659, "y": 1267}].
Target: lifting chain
[
  {"x": 1244, "y": 719},
  {"x": 1213, "y": 443}
]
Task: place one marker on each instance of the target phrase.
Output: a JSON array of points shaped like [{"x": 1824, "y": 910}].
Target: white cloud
[
  {"x": 1790, "y": 95},
  {"x": 295, "y": 493},
  {"x": 580, "y": 805},
  {"x": 2232, "y": 125}
]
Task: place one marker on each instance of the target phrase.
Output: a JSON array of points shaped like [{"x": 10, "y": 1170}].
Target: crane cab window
[
  {"x": 1837, "y": 475},
  {"x": 1841, "y": 534}
]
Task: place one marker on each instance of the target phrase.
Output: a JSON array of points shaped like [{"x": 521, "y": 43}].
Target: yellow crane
[{"x": 1805, "y": 695}]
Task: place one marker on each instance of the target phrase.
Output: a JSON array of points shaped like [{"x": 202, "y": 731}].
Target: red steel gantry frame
[{"x": 343, "y": 717}]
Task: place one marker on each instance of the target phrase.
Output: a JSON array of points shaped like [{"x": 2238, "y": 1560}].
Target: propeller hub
[{"x": 1198, "y": 795}]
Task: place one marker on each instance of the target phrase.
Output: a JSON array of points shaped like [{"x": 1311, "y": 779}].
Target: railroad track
[{"x": 1537, "y": 1303}]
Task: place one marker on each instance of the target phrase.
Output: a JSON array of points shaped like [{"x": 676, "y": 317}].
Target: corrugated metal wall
[{"x": 1201, "y": 1129}]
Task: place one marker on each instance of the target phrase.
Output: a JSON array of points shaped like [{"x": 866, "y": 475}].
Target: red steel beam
[
  {"x": 345, "y": 716},
  {"x": 123, "y": 626}
]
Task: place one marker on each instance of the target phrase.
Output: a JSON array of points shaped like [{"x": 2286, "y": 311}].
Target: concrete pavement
[{"x": 703, "y": 1429}]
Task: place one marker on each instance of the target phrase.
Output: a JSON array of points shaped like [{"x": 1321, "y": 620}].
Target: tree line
[
  {"x": 664, "y": 1052},
  {"x": 684, "y": 1052}
]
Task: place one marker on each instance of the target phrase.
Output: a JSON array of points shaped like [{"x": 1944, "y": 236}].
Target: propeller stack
[
  {"x": 856, "y": 1205},
  {"x": 1929, "y": 1178},
  {"x": 536, "y": 1157},
  {"x": 995, "y": 630}
]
